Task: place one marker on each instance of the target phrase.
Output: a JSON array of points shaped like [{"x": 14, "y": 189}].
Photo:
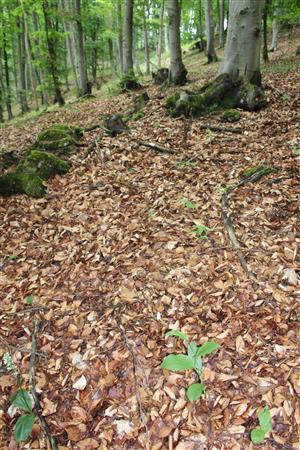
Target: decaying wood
[
  {"x": 37, "y": 404},
  {"x": 157, "y": 147},
  {"x": 222, "y": 129}
]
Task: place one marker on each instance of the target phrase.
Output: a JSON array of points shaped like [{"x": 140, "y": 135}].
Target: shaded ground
[{"x": 111, "y": 261}]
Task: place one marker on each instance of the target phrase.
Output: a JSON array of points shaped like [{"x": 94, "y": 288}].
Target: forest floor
[{"x": 111, "y": 262}]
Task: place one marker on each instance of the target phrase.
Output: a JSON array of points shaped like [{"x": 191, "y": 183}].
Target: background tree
[
  {"x": 178, "y": 71},
  {"x": 209, "y": 24}
]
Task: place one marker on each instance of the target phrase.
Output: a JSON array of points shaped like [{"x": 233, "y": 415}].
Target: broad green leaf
[
  {"x": 177, "y": 362},
  {"x": 23, "y": 427},
  {"x": 29, "y": 300},
  {"x": 195, "y": 391},
  {"x": 265, "y": 420},
  {"x": 198, "y": 365},
  {"x": 22, "y": 400},
  {"x": 192, "y": 349},
  {"x": 207, "y": 348},
  {"x": 257, "y": 435},
  {"x": 178, "y": 334}
]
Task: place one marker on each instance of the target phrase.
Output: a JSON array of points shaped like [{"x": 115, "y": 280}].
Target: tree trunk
[
  {"x": 242, "y": 51},
  {"x": 129, "y": 80},
  {"x": 146, "y": 40},
  {"x": 7, "y": 79},
  {"x": 22, "y": 67},
  {"x": 221, "y": 23},
  {"x": 275, "y": 27},
  {"x": 239, "y": 80},
  {"x": 52, "y": 55},
  {"x": 178, "y": 71},
  {"x": 161, "y": 33},
  {"x": 70, "y": 47},
  {"x": 29, "y": 57},
  {"x": 120, "y": 34},
  {"x": 84, "y": 88},
  {"x": 40, "y": 75},
  {"x": 265, "y": 33},
  {"x": 210, "y": 47}
]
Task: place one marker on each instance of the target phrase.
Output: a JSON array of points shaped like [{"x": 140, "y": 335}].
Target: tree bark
[
  {"x": 210, "y": 47},
  {"x": 7, "y": 79},
  {"x": 161, "y": 33},
  {"x": 84, "y": 88},
  {"x": 127, "y": 38},
  {"x": 221, "y": 23},
  {"x": 178, "y": 71},
  {"x": 242, "y": 51},
  {"x": 52, "y": 55},
  {"x": 275, "y": 27},
  {"x": 22, "y": 67},
  {"x": 70, "y": 47},
  {"x": 146, "y": 40},
  {"x": 40, "y": 74},
  {"x": 120, "y": 34},
  {"x": 265, "y": 33}
]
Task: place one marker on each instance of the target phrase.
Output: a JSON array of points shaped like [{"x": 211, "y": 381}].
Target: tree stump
[{"x": 161, "y": 76}]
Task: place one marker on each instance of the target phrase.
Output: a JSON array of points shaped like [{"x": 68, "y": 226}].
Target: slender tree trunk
[
  {"x": 146, "y": 40},
  {"x": 40, "y": 74},
  {"x": 52, "y": 55},
  {"x": 22, "y": 68},
  {"x": 161, "y": 33},
  {"x": 111, "y": 57},
  {"x": 1, "y": 89},
  {"x": 178, "y": 71},
  {"x": 7, "y": 79},
  {"x": 120, "y": 34},
  {"x": 265, "y": 33},
  {"x": 127, "y": 38},
  {"x": 134, "y": 55},
  {"x": 275, "y": 27},
  {"x": 221, "y": 23},
  {"x": 29, "y": 58},
  {"x": 210, "y": 48},
  {"x": 242, "y": 50},
  {"x": 84, "y": 89},
  {"x": 94, "y": 55},
  {"x": 70, "y": 47}
]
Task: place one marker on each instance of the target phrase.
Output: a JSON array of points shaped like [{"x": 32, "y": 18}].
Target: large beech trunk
[
  {"x": 238, "y": 84},
  {"x": 178, "y": 71}
]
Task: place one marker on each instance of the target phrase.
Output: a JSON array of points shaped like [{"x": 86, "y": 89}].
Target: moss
[
  {"x": 129, "y": 82},
  {"x": 59, "y": 138},
  {"x": 28, "y": 178},
  {"x": 261, "y": 170},
  {"x": 231, "y": 115}
]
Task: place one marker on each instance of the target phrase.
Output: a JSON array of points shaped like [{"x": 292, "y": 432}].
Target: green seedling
[
  {"x": 265, "y": 421},
  {"x": 201, "y": 231},
  {"x": 193, "y": 360},
  {"x": 295, "y": 149},
  {"x": 286, "y": 98},
  {"x": 151, "y": 213},
  {"x": 209, "y": 135},
  {"x": 10, "y": 365},
  {"x": 188, "y": 203},
  {"x": 29, "y": 300},
  {"x": 13, "y": 257},
  {"x": 24, "y": 424},
  {"x": 227, "y": 188},
  {"x": 131, "y": 170}
]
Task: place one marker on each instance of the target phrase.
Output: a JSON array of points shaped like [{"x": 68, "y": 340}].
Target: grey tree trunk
[
  {"x": 120, "y": 34},
  {"x": 22, "y": 67},
  {"x": 7, "y": 79},
  {"x": 127, "y": 38},
  {"x": 242, "y": 50},
  {"x": 161, "y": 33},
  {"x": 265, "y": 33},
  {"x": 146, "y": 40},
  {"x": 40, "y": 75},
  {"x": 84, "y": 87},
  {"x": 275, "y": 28},
  {"x": 221, "y": 24},
  {"x": 70, "y": 47},
  {"x": 210, "y": 47},
  {"x": 178, "y": 71}
]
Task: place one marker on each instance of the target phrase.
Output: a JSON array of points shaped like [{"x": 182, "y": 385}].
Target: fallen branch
[
  {"x": 157, "y": 147},
  {"x": 37, "y": 404},
  {"x": 222, "y": 129}
]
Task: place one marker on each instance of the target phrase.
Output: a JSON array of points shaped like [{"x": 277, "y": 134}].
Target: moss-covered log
[
  {"x": 222, "y": 93},
  {"x": 30, "y": 173},
  {"x": 59, "y": 139}
]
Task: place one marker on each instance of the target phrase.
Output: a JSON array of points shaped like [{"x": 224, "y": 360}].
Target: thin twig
[
  {"x": 222, "y": 129},
  {"x": 157, "y": 147},
  {"x": 37, "y": 404},
  {"x": 135, "y": 365}
]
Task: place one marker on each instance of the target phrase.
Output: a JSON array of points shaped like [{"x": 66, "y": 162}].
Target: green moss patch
[
  {"x": 28, "y": 178},
  {"x": 59, "y": 139},
  {"x": 260, "y": 170},
  {"x": 231, "y": 115}
]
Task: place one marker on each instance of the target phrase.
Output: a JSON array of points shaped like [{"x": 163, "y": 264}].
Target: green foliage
[
  {"x": 260, "y": 170},
  {"x": 185, "y": 165},
  {"x": 188, "y": 204},
  {"x": 286, "y": 98},
  {"x": 265, "y": 421},
  {"x": 24, "y": 424},
  {"x": 231, "y": 115},
  {"x": 295, "y": 149},
  {"x": 29, "y": 300},
  {"x": 152, "y": 213},
  {"x": 190, "y": 361},
  {"x": 201, "y": 231},
  {"x": 10, "y": 365}
]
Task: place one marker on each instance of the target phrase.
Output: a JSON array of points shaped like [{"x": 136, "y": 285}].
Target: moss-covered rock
[
  {"x": 128, "y": 82},
  {"x": 28, "y": 178},
  {"x": 60, "y": 139},
  {"x": 221, "y": 93},
  {"x": 231, "y": 115}
]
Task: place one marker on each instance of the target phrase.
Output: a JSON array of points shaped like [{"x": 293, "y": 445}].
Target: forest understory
[{"x": 111, "y": 263}]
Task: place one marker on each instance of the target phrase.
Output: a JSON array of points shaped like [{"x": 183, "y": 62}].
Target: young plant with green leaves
[
  {"x": 201, "y": 231},
  {"x": 189, "y": 203},
  {"x": 24, "y": 424},
  {"x": 265, "y": 421},
  {"x": 193, "y": 360}
]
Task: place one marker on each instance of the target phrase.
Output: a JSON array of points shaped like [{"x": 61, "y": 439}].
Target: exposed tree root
[
  {"x": 37, "y": 404},
  {"x": 255, "y": 174},
  {"x": 157, "y": 147},
  {"x": 222, "y": 129}
]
